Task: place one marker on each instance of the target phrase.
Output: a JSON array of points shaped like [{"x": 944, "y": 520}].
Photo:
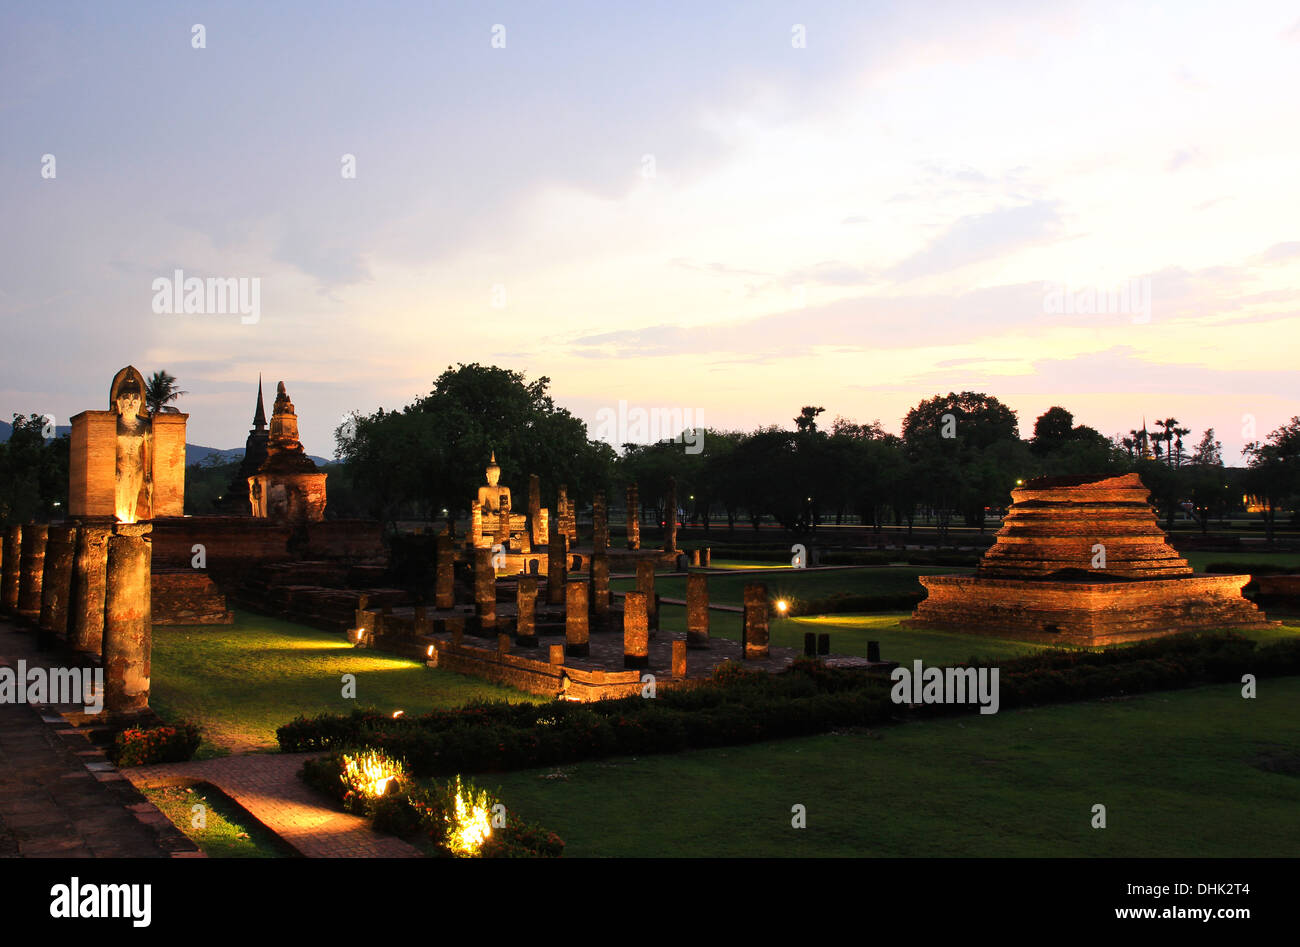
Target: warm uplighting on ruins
[
  {"x": 370, "y": 773},
  {"x": 471, "y": 824}
]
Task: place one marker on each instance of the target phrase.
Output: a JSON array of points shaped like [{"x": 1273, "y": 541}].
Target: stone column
[
  {"x": 633, "y": 518},
  {"x": 679, "y": 660},
  {"x": 645, "y": 584},
  {"x": 128, "y": 628},
  {"x": 577, "y": 630},
  {"x": 32, "y": 570},
  {"x": 56, "y": 584},
  {"x": 526, "y": 607},
  {"x": 670, "y": 517},
  {"x": 503, "y": 525},
  {"x": 695, "y": 558},
  {"x": 636, "y": 631},
  {"x": 89, "y": 575},
  {"x": 444, "y": 588},
  {"x": 13, "y": 551},
  {"x": 535, "y": 509},
  {"x": 600, "y": 524},
  {"x": 697, "y": 610},
  {"x": 544, "y": 526},
  {"x": 600, "y": 589},
  {"x": 475, "y": 524},
  {"x": 568, "y": 518},
  {"x": 755, "y": 635},
  {"x": 557, "y": 555},
  {"x": 708, "y": 557},
  {"x": 485, "y": 589}
]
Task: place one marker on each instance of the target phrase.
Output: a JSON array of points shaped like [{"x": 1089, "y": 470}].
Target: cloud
[
  {"x": 1181, "y": 158},
  {"x": 980, "y": 237},
  {"x": 1280, "y": 252}
]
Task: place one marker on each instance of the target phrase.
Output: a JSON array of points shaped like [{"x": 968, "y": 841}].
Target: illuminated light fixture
[
  {"x": 398, "y": 713},
  {"x": 429, "y": 653},
  {"x": 782, "y": 606}
]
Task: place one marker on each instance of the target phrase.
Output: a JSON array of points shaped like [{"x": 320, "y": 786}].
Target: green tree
[
  {"x": 1273, "y": 474},
  {"x": 160, "y": 391}
]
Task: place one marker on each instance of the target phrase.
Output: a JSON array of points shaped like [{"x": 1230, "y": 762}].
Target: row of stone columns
[{"x": 87, "y": 586}]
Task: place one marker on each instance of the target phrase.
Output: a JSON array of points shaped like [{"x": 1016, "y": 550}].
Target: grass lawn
[
  {"x": 227, "y": 832},
  {"x": 241, "y": 681},
  {"x": 729, "y": 589},
  {"x": 1199, "y": 560},
  {"x": 1182, "y": 774}
]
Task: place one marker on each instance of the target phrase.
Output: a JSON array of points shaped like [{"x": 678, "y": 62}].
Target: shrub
[{"x": 156, "y": 745}]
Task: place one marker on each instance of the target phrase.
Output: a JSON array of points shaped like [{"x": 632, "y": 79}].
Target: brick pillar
[
  {"x": 679, "y": 660},
  {"x": 695, "y": 558},
  {"x": 475, "y": 524},
  {"x": 645, "y": 584},
  {"x": 503, "y": 524},
  {"x": 755, "y": 635},
  {"x": 600, "y": 589},
  {"x": 633, "y": 518},
  {"x": 13, "y": 551},
  {"x": 697, "y": 610},
  {"x": 485, "y": 589},
  {"x": 568, "y": 516},
  {"x": 577, "y": 630},
  {"x": 544, "y": 526},
  {"x": 600, "y": 524},
  {"x": 89, "y": 574},
  {"x": 128, "y": 629},
  {"x": 535, "y": 509},
  {"x": 526, "y": 605},
  {"x": 56, "y": 584},
  {"x": 670, "y": 517},
  {"x": 557, "y": 555},
  {"x": 708, "y": 557},
  {"x": 32, "y": 570},
  {"x": 444, "y": 588},
  {"x": 636, "y": 631}
]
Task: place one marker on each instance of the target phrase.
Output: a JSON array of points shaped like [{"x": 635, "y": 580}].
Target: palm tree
[
  {"x": 1167, "y": 425},
  {"x": 1178, "y": 442},
  {"x": 159, "y": 391}
]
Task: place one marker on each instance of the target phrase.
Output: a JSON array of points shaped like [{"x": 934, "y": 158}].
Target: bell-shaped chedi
[
  {"x": 1083, "y": 561},
  {"x": 287, "y": 487}
]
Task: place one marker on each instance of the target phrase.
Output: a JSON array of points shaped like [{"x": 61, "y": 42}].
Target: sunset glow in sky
[{"x": 683, "y": 208}]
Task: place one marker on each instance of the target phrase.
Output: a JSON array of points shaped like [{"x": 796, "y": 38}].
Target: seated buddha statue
[{"x": 492, "y": 498}]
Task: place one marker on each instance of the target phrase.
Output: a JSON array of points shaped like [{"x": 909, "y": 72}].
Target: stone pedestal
[
  {"x": 645, "y": 584},
  {"x": 636, "y": 632},
  {"x": 600, "y": 589},
  {"x": 756, "y": 621},
  {"x": 633, "y": 518},
  {"x": 32, "y": 570},
  {"x": 695, "y": 558},
  {"x": 697, "y": 610},
  {"x": 12, "y": 568},
  {"x": 526, "y": 607},
  {"x": 485, "y": 589},
  {"x": 577, "y": 630},
  {"x": 56, "y": 584},
  {"x": 128, "y": 627},
  {"x": 89, "y": 578},
  {"x": 557, "y": 555},
  {"x": 444, "y": 581}
]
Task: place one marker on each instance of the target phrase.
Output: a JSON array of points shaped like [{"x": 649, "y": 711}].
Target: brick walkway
[
  {"x": 59, "y": 795},
  {"x": 267, "y": 785}
]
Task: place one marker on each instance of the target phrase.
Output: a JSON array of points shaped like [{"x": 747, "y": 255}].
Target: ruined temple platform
[{"x": 1082, "y": 561}]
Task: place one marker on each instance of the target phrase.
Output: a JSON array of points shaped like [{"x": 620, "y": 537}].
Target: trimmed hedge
[{"x": 741, "y": 706}]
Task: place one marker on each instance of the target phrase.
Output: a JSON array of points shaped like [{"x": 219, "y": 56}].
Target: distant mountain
[{"x": 194, "y": 453}]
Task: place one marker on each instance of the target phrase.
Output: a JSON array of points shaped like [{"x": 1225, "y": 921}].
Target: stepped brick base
[
  {"x": 187, "y": 597},
  {"x": 1082, "y": 561},
  {"x": 1070, "y": 611}
]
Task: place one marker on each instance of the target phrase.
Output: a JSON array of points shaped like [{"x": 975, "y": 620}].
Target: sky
[{"x": 727, "y": 209}]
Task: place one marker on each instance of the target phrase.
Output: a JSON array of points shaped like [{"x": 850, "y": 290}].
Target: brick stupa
[{"x": 1083, "y": 561}]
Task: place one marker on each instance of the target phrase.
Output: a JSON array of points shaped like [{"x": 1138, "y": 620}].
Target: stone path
[
  {"x": 59, "y": 795},
  {"x": 267, "y": 785}
]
